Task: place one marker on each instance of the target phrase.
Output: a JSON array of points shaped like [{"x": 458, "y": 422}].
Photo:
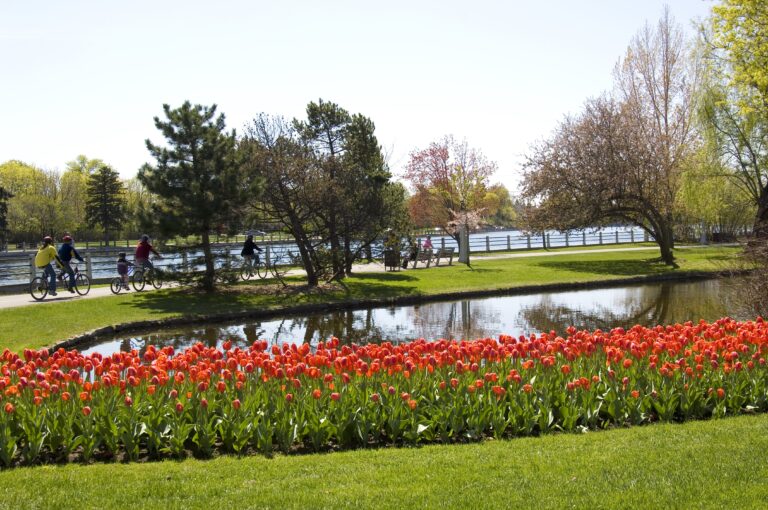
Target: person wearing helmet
[
  {"x": 249, "y": 251},
  {"x": 143, "y": 249},
  {"x": 66, "y": 252},
  {"x": 122, "y": 268},
  {"x": 43, "y": 260}
]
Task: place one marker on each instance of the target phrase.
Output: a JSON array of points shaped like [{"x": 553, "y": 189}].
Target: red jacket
[{"x": 143, "y": 249}]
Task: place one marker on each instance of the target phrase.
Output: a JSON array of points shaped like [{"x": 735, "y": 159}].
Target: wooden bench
[
  {"x": 424, "y": 256},
  {"x": 391, "y": 260},
  {"x": 443, "y": 253}
]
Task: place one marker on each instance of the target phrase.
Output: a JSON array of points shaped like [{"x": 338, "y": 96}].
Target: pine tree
[
  {"x": 4, "y": 196},
  {"x": 196, "y": 177},
  {"x": 105, "y": 201}
]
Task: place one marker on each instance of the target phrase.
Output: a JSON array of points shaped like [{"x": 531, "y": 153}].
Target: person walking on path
[{"x": 43, "y": 260}]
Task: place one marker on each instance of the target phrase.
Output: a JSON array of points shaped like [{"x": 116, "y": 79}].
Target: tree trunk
[
  {"x": 665, "y": 240},
  {"x": 209, "y": 268},
  {"x": 306, "y": 257},
  {"x": 348, "y": 257},
  {"x": 337, "y": 264},
  {"x": 463, "y": 240},
  {"x": 309, "y": 267},
  {"x": 760, "y": 228}
]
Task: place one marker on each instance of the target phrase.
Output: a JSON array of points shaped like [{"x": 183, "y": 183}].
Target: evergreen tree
[
  {"x": 352, "y": 206},
  {"x": 105, "y": 201},
  {"x": 196, "y": 177},
  {"x": 4, "y": 196}
]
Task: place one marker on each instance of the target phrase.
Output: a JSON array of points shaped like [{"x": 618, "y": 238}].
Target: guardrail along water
[{"x": 16, "y": 267}]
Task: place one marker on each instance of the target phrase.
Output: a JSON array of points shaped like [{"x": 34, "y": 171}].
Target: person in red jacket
[{"x": 143, "y": 249}]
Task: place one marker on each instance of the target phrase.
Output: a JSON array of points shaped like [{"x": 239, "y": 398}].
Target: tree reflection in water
[
  {"x": 647, "y": 305},
  {"x": 663, "y": 303}
]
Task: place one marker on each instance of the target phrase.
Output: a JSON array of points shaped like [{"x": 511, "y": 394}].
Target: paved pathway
[{"x": 14, "y": 300}]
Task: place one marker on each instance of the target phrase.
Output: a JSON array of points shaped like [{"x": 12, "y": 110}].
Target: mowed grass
[
  {"x": 44, "y": 324},
  {"x": 707, "y": 464}
]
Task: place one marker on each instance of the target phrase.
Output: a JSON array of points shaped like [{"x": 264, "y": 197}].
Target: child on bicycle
[{"x": 122, "y": 268}]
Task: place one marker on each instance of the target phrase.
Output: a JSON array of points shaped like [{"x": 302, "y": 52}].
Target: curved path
[{"x": 15, "y": 300}]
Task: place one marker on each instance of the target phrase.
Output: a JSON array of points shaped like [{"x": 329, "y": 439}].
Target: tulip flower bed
[{"x": 66, "y": 406}]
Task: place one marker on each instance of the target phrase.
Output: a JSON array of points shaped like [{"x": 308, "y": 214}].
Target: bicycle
[
  {"x": 116, "y": 285},
  {"x": 38, "y": 287},
  {"x": 141, "y": 276},
  {"x": 255, "y": 268},
  {"x": 276, "y": 267}
]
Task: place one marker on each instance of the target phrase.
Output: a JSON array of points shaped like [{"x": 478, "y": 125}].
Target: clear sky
[{"x": 87, "y": 77}]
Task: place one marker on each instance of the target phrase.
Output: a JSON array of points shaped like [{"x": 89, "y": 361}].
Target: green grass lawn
[
  {"x": 44, "y": 324},
  {"x": 707, "y": 464}
]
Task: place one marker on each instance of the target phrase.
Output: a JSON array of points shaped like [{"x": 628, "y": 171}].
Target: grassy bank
[
  {"x": 709, "y": 464},
  {"x": 44, "y": 324}
]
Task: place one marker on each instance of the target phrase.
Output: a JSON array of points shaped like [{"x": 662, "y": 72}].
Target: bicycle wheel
[
  {"x": 277, "y": 270},
  {"x": 138, "y": 282},
  {"x": 261, "y": 271},
  {"x": 116, "y": 285},
  {"x": 38, "y": 288},
  {"x": 246, "y": 273},
  {"x": 82, "y": 284},
  {"x": 155, "y": 279}
]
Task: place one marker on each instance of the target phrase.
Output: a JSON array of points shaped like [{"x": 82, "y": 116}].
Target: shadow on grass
[
  {"x": 384, "y": 277},
  {"x": 264, "y": 296},
  {"x": 609, "y": 267},
  {"x": 476, "y": 269}
]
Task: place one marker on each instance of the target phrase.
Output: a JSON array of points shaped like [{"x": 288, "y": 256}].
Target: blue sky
[{"x": 87, "y": 77}]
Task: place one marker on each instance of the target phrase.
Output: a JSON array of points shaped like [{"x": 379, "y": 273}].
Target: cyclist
[
  {"x": 122, "y": 268},
  {"x": 66, "y": 252},
  {"x": 45, "y": 256},
  {"x": 143, "y": 250},
  {"x": 248, "y": 252}
]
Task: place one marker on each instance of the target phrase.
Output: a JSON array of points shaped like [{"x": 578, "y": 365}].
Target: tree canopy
[
  {"x": 196, "y": 177},
  {"x": 105, "y": 203},
  {"x": 451, "y": 186},
  {"x": 326, "y": 183},
  {"x": 620, "y": 160},
  {"x": 735, "y": 103},
  {"x": 4, "y": 196}
]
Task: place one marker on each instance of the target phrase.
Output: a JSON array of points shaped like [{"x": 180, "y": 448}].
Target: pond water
[{"x": 648, "y": 304}]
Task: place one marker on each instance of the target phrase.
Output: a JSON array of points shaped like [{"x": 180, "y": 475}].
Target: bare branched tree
[{"x": 621, "y": 158}]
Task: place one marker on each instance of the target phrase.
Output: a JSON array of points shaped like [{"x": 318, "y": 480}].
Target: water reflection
[{"x": 662, "y": 303}]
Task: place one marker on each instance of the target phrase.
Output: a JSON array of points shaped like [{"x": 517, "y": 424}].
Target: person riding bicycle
[
  {"x": 66, "y": 252},
  {"x": 43, "y": 259},
  {"x": 143, "y": 249},
  {"x": 249, "y": 251},
  {"x": 122, "y": 268}
]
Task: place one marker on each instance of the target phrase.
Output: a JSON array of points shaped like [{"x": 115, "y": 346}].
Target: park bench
[
  {"x": 391, "y": 260},
  {"x": 444, "y": 253},
  {"x": 424, "y": 256}
]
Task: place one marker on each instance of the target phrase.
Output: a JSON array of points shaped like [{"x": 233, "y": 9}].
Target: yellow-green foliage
[{"x": 739, "y": 28}]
